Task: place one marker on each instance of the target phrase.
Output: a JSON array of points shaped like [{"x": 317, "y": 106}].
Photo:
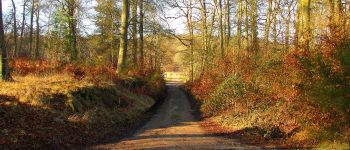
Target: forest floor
[
  {"x": 177, "y": 125},
  {"x": 60, "y": 112}
]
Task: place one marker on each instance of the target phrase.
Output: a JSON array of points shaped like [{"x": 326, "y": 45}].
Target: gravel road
[{"x": 175, "y": 127}]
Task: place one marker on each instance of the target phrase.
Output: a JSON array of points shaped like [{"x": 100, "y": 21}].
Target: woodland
[{"x": 276, "y": 72}]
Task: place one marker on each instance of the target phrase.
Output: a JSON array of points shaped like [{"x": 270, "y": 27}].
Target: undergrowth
[
  {"x": 303, "y": 100},
  {"x": 70, "y": 106}
]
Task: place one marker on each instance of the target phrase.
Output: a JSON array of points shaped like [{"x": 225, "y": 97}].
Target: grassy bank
[
  {"x": 281, "y": 100},
  {"x": 59, "y": 111}
]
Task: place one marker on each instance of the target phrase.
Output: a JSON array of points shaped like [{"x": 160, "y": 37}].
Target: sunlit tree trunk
[
  {"x": 246, "y": 24},
  {"x": 31, "y": 29},
  {"x": 141, "y": 32},
  {"x": 274, "y": 28},
  {"x": 134, "y": 30},
  {"x": 37, "y": 52},
  {"x": 239, "y": 25},
  {"x": 218, "y": 4},
  {"x": 189, "y": 17},
  {"x": 268, "y": 22},
  {"x": 14, "y": 28},
  {"x": 304, "y": 23},
  {"x": 287, "y": 38},
  {"x": 123, "y": 37},
  {"x": 228, "y": 22},
  {"x": 254, "y": 25},
  {"x": 4, "y": 69},
  {"x": 72, "y": 29},
  {"x": 204, "y": 33},
  {"x": 22, "y": 28},
  {"x": 221, "y": 29},
  {"x": 336, "y": 18},
  {"x": 297, "y": 27}
]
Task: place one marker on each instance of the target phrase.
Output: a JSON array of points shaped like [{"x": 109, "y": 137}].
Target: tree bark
[
  {"x": 5, "y": 72},
  {"x": 134, "y": 31},
  {"x": 336, "y": 18},
  {"x": 246, "y": 24},
  {"x": 254, "y": 25},
  {"x": 22, "y": 29},
  {"x": 31, "y": 29},
  {"x": 228, "y": 22},
  {"x": 204, "y": 33},
  {"x": 305, "y": 24},
  {"x": 268, "y": 22},
  {"x": 37, "y": 51},
  {"x": 141, "y": 32},
  {"x": 239, "y": 25},
  {"x": 221, "y": 30},
  {"x": 72, "y": 31},
  {"x": 274, "y": 29},
  {"x": 287, "y": 37},
  {"x": 123, "y": 37},
  {"x": 14, "y": 28}
]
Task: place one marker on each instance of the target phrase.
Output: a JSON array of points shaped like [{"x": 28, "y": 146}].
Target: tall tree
[
  {"x": 336, "y": 18},
  {"x": 31, "y": 28},
  {"x": 37, "y": 51},
  {"x": 304, "y": 24},
  {"x": 134, "y": 30},
  {"x": 22, "y": 28},
  {"x": 246, "y": 24},
  {"x": 228, "y": 22},
  {"x": 5, "y": 72},
  {"x": 274, "y": 28},
  {"x": 141, "y": 46},
  {"x": 123, "y": 37},
  {"x": 268, "y": 22},
  {"x": 189, "y": 18},
  {"x": 239, "y": 24},
  {"x": 107, "y": 21},
  {"x": 288, "y": 19},
  {"x": 14, "y": 27},
  {"x": 218, "y": 4},
  {"x": 72, "y": 6},
  {"x": 254, "y": 25},
  {"x": 204, "y": 29}
]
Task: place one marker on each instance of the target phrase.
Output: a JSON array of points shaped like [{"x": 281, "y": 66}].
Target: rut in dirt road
[{"x": 175, "y": 127}]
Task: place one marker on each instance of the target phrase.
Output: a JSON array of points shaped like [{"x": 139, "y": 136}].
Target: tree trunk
[
  {"x": 336, "y": 18},
  {"x": 31, "y": 29},
  {"x": 218, "y": 5},
  {"x": 228, "y": 17},
  {"x": 141, "y": 32},
  {"x": 246, "y": 25},
  {"x": 14, "y": 28},
  {"x": 239, "y": 25},
  {"x": 37, "y": 52},
  {"x": 204, "y": 33},
  {"x": 221, "y": 30},
  {"x": 289, "y": 9},
  {"x": 305, "y": 24},
  {"x": 268, "y": 22},
  {"x": 189, "y": 20},
  {"x": 123, "y": 37},
  {"x": 5, "y": 72},
  {"x": 274, "y": 28},
  {"x": 254, "y": 25},
  {"x": 72, "y": 33},
  {"x": 134, "y": 31},
  {"x": 22, "y": 29}
]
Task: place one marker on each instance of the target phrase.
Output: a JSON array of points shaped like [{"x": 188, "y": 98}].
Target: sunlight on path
[
  {"x": 175, "y": 127},
  {"x": 175, "y": 78}
]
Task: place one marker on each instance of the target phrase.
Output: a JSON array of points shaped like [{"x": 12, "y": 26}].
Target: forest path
[{"x": 174, "y": 126}]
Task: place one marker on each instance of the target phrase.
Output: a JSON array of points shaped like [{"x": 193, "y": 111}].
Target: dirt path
[{"x": 175, "y": 127}]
